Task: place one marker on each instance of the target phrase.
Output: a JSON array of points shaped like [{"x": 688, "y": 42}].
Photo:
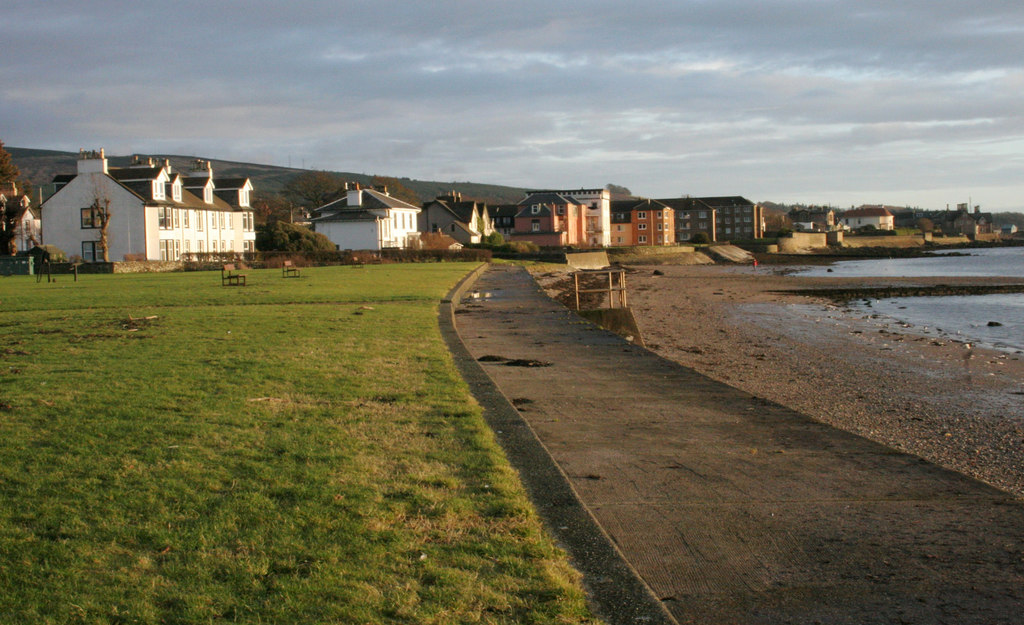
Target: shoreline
[{"x": 744, "y": 326}]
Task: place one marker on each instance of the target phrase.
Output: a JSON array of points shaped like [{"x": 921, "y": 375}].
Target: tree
[
  {"x": 13, "y": 210},
  {"x": 618, "y": 191},
  {"x": 313, "y": 189},
  {"x": 9, "y": 172},
  {"x": 925, "y": 225},
  {"x": 282, "y": 236},
  {"x": 101, "y": 214},
  {"x": 268, "y": 209}
]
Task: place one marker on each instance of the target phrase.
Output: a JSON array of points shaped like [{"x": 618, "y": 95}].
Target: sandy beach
[
  {"x": 962, "y": 409},
  {"x": 933, "y": 398}
]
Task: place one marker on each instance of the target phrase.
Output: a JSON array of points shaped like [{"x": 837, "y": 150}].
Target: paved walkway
[{"x": 736, "y": 510}]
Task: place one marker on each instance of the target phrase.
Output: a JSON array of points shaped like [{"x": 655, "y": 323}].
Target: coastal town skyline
[{"x": 795, "y": 102}]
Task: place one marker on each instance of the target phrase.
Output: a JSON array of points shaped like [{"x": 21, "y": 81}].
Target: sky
[{"x": 838, "y": 102}]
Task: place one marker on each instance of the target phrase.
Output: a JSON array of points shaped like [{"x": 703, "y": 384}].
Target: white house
[
  {"x": 154, "y": 213},
  {"x": 368, "y": 219},
  {"x": 877, "y": 217}
]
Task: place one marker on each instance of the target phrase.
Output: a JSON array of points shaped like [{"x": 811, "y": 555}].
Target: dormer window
[
  {"x": 176, "y": 190},
  {"x": 158, "y": 190},
  {"x": 208, "y": 194},
  {"x": 535, "y": 209},
  {"x": 243, "y": 197}
]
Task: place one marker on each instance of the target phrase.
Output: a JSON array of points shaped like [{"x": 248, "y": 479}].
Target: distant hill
[{"x": 40, "y": 166}]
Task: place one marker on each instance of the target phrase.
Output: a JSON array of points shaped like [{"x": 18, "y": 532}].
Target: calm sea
[{"x": 962, "y": 317}]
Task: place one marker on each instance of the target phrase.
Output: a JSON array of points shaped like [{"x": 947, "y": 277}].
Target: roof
[
  {"x": 543, "y": 210},
  {"x": 546, "y": 197},
  {"x": 504, "y": 210},
  {"x": 370, "y": 199},
  {"x": 709, "y": 203},
  {"x": 868, "y": 211},
  {"x": 122, "y": 174},
  {"x": 349, "y": 214}
]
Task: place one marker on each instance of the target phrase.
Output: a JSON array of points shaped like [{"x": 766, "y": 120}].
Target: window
[
  {"x": 200, "y": 221},
  {"x": 176, "y": 191},
  {"x": 208, "y": 194},
  {"x": 703, "y": 214},
  {"x": 618, "y": 228},
  {"x": 642, "y": 238},
  {"x": 164, "y": 217},
  {"x": 221, "y": 220},
  {"x": 188, "y": 246},
  {"x": 213, "y": 246},
  {"x": 561, "y": 210},
  {"x": 184, "y": 218},
  {"x": 641, "y": 214},
  {"x": 535, "y": 225},
  {"x": 659, "y": 225},
  {"x": 641, "y": 226},
  {"x": 659, "y": 238},
  {"x": 158, "y": 190},
  {"x": 174, "y": 217},
  {"x": 91, "y": 251},
  {"x": 90, "y": 218},
  {"x": 167, "y": 250}
]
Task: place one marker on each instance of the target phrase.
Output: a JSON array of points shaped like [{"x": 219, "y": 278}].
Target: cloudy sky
[{"x": 910, "y": 102}]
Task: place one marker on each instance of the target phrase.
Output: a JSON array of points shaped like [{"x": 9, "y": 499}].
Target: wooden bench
[
  {"x": 230, "y": 277},
  {"x": 289, "y": 270}
]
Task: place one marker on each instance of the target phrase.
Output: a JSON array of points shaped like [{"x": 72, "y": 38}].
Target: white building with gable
[
  {"x": 155, "y": 212},
  {"x": 368, "y": 219}
]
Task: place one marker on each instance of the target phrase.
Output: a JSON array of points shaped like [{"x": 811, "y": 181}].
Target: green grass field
[{"x": 294, "y": 451}]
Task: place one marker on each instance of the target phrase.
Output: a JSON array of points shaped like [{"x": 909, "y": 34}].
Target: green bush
[
  {"x": 701, "y": 238},
  {"x": 285, "y": 237}
]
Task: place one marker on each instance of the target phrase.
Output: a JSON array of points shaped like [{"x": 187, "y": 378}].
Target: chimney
[{"x": 92, "y": 162}]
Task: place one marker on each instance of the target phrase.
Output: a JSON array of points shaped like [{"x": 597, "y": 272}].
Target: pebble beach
[{"x": 959, "y": 407}]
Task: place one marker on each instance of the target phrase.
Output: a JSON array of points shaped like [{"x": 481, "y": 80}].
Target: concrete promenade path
[{"x": 736, "y": 510}]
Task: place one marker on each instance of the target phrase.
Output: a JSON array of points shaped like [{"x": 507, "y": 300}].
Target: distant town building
[
  {"x": 642, "y": 222},
  {"x": 503, "y": 218},
  {"x": 718, "y": 217},
  {"x": 466, "y": 221},
  {"x": 549, "y": 219},
  {"x": 154, "y": 213},
  {"x": 868, "y": 216},
  {"x": 598, "y": 213},
  {"x": 813, "y": 219},
  {"x": 368, "y": 219}
]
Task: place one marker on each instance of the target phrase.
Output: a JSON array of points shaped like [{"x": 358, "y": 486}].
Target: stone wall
[
  {"x": 800, "y": 242},
  {"x": 147, "y": 266}
]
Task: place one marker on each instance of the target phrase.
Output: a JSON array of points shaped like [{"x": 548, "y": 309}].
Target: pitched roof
[
  {"x": 867, "y": 211},
  {"x": 546, "y": 197}
]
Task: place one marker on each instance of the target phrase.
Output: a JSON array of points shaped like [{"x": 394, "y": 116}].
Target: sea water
[{"x": 995, "y": 321}]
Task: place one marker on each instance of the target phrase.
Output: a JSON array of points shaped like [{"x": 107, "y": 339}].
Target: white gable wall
[
  {"x": 61, "y": 217},
  {"x": 352, "y": 235}
]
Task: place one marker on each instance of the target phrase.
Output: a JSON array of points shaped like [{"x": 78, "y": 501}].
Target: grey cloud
[{"x": 725, "y": 96}]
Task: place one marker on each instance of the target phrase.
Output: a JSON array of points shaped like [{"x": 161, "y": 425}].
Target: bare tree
[{"x": 101, "y": 214}]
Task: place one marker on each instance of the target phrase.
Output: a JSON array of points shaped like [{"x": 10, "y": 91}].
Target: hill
[{"x": 40, "y": 166}]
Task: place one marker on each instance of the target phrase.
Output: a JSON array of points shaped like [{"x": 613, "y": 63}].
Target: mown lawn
[{"x": 294, "y": 451}]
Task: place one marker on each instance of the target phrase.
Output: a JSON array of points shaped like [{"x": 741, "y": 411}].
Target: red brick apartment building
[
  {"x": 550, "y": 220},
  {"x": 642, "y": 222}
]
